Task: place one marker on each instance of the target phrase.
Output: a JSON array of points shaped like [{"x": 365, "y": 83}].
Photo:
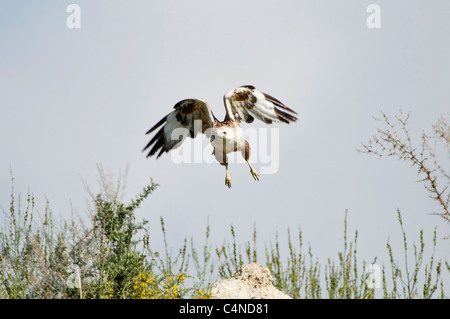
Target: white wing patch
[{"x": 190, "y": 117}]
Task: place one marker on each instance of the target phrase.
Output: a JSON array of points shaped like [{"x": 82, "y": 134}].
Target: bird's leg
[
  {"x": 246, "y": 154},
  {"x": 223, "y": 160},
  {"x": 253, "y": 171},
  {"x": 227, "y": 176}
]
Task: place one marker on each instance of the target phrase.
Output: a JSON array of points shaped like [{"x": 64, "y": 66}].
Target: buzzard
[{"x": 242, "y": 104}]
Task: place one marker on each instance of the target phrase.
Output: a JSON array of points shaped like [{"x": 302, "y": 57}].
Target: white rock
[{"x": 251, "y": 281}]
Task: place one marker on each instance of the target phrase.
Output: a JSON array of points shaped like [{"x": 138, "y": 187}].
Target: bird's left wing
[
  {"x": 246, "y": 103},
  {"x": 190, "y": 117}
]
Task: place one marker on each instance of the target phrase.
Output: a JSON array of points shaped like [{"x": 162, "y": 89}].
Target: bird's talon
[
  {"x": 228, "y": 181},
  {"x": 255, "y": 175}
]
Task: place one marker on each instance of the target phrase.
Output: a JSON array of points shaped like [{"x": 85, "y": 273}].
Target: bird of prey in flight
[{"x": 194, "y": 116}]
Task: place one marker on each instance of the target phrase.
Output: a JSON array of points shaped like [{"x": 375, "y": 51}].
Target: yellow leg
[
  {"x": 253, "y": 172},
  {"x": 227, "y": 177}
]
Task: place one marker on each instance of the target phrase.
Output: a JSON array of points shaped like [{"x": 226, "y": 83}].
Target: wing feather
[
  {"x": 189, "y": 117},
  {"x": 245, "y": 103}
]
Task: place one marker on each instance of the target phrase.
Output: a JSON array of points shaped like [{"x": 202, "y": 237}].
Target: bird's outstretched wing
[
  {"x": 245, "y": 104},
  {"x": 190, "y": 117}
]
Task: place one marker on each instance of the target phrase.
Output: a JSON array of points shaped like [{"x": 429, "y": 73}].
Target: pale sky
[{"x": 72, "y": 98}]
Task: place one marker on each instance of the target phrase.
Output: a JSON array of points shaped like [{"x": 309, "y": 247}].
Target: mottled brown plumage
[{"x": 194, "y": 116}]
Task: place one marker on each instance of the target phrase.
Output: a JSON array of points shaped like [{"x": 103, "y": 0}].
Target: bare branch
[{"x": 394, "y": 140}]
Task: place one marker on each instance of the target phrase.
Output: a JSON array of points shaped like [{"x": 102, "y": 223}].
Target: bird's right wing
[{"x": 190, "y": 117}]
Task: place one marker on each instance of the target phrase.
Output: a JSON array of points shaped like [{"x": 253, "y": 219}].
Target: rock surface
[{"x": 251, "y": 281}]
